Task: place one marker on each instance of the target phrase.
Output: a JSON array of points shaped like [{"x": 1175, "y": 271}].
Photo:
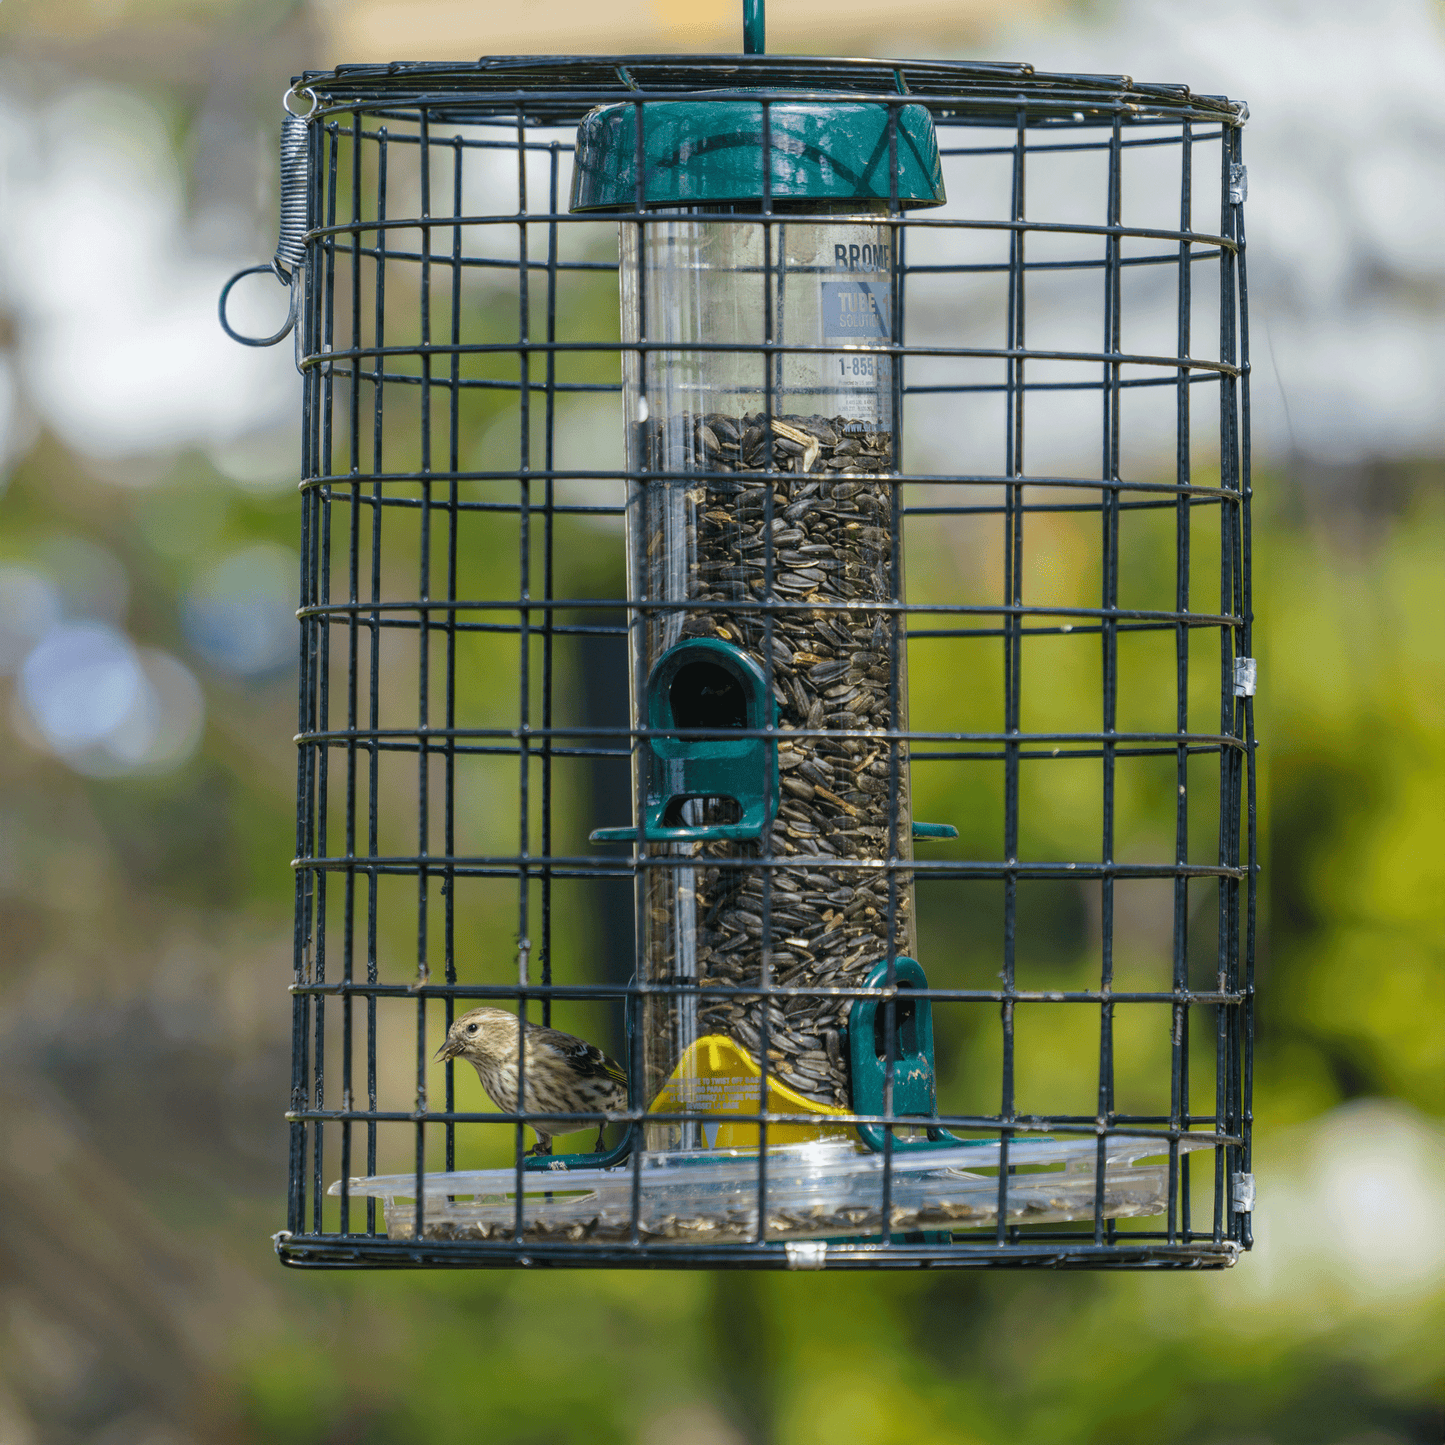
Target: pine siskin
[{"x": 563, "y": 1072}]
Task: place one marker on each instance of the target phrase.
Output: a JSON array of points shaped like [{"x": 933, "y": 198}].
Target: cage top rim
[{"x": 553, "y": 89}]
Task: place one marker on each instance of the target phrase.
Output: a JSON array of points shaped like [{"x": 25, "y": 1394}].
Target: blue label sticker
[{"x": 855, "y": 311}]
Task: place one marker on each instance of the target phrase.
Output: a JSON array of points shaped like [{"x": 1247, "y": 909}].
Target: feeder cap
[{"x": 703, "y": 151}]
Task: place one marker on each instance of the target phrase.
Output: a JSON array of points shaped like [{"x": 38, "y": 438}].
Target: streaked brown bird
[{"x": 563, "y": 1073}]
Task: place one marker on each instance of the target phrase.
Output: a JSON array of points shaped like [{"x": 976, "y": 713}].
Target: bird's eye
[{"x": 471, "y": 1028}]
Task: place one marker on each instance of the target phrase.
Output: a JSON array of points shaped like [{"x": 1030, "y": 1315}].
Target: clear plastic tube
[{"x": 799, "y": 445}]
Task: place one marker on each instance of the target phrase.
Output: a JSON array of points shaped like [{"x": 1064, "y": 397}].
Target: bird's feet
[{"x": 542, "y": 1146}]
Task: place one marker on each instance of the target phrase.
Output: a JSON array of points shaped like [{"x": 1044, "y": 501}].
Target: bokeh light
[
  {"x": 105, "y": 706},
  {"x": 240, "y": 615}
]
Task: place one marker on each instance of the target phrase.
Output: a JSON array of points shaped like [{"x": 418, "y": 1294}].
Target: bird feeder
[
  {"x": 799, "y": 246},
  {"x": 759, "y": 398}
]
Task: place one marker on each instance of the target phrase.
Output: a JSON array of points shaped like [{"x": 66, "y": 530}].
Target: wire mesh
[{"x": 463, "y": 477}]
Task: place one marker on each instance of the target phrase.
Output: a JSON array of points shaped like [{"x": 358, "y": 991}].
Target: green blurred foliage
[{"x": 1356, "y": 864}]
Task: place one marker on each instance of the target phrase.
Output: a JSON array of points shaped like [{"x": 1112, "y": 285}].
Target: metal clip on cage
[{"x": 802, "y": 247}]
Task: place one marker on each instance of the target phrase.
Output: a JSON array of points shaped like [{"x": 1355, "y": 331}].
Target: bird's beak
[{"x": 448, "y": 1050}]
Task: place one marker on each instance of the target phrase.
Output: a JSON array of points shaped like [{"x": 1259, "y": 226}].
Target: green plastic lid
[{"x": 709, "y": 152}]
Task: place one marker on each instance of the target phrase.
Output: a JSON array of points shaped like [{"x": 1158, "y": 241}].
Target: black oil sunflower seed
[{"x": 831, "y": 529}]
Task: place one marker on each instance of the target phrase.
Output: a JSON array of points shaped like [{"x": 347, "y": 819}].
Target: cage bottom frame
[{"x": 333, "y": 1251}]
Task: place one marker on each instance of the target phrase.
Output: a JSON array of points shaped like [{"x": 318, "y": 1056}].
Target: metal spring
[{"x": 291, "y": 239}]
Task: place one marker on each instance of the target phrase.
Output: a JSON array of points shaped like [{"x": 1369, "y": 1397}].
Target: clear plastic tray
[{"x": 822, "y": 1190}]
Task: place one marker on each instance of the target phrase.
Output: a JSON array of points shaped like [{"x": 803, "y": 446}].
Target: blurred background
[{"x": 147, "y": 700}]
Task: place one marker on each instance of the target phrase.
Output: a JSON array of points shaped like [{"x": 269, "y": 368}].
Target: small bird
[{"x": 563, "y": 1072}]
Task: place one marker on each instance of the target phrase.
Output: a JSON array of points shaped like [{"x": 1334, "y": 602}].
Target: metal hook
[
  {"x": 290, "y": 254},
  {"x": 309, "y": 94},
  {"x": 285, "y": 331}
]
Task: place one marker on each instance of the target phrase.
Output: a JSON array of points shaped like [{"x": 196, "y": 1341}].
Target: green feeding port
[
  {"x": 706, "y": 788},
  {"x": 913, "y": 1073},
  {"x": 914, "y": 1091},
  {"x": 709, "y": 789}
]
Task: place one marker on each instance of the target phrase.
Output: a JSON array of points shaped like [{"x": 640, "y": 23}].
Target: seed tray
[{"x": 821, "y": 1190}]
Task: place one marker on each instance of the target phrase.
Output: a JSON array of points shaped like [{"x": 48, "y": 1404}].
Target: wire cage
[{"x": 930, "y": 491}]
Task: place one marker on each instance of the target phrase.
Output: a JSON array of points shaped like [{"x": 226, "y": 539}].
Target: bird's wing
[{"x": 584, "y": 1057}]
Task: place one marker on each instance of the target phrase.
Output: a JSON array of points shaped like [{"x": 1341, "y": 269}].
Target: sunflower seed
[{"x": 832, "y": 537}]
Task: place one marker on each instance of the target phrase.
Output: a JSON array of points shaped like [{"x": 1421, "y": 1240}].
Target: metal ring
[
  {"x": 301, "y": 115},
  {"x": 235, "y": 335}
]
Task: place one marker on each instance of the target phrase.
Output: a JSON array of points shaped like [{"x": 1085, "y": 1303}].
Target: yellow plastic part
[{"x": 715, "y": 1076}]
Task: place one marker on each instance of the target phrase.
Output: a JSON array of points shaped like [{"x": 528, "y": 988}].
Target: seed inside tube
[{"x": 829, "y": 543}]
